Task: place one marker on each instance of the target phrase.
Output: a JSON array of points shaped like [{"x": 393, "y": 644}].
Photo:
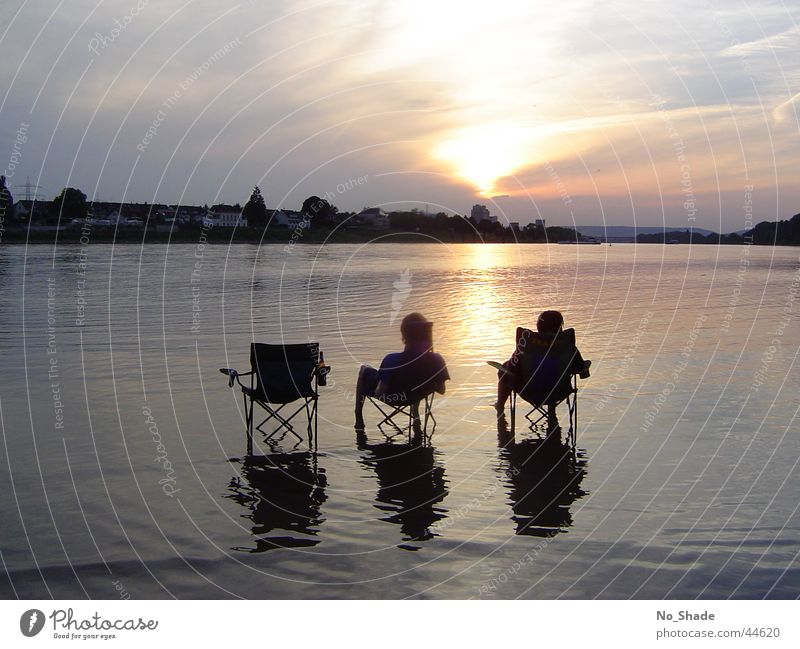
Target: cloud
[
  {"x": 438, "y": 100},
  {"x": 788, "y": 39},
  {"x": 787, "y": 112}
]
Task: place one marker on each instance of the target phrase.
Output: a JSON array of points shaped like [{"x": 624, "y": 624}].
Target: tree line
[{"x": 780, "y": 233}]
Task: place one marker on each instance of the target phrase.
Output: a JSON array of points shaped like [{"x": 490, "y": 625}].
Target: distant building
[
  {"x": 539, "y": 223},
  {"x": 228, "y": 216},
  {"x": 277, "y": 218},
  {"x": 480, "y": 213},
  {"x": 514, "y": 225},
  {"x": 21, "y": 211},
  {"x": 373, "y": 217},
  {"x": 31, "y": 210},
  {"x": 291, "y": 219}
]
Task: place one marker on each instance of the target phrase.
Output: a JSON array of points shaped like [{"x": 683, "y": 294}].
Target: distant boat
[
  {"x": 585, "y": 242},
  {"x": 673, "y": 241}
]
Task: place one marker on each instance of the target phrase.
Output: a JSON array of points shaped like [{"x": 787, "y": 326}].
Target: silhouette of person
[
  {"x": 283, "y": 491},
  {"x": 407, "y": 377},
  {"x": 549, "y": 322}
]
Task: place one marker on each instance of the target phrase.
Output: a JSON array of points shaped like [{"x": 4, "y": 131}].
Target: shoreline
[
  {"x": 399, "y": 238},
  {"x": 290, "y": 238}
]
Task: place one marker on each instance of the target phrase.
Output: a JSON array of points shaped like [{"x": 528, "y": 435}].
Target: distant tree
[
  {"x": 255, "y": 210},
  {"x": 406, "y": 221},
  {"x": 782, "y": 233},
  {"x": 6, "y": 201},
  {"x": 70, "y": 204},
  {"x": 318, "y": 210},
  {"x": 557, "y": 233}
]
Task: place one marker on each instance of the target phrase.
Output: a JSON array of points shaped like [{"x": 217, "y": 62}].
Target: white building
[
  {"x": 374, "y": 217},
  {"x": 20, "y": 211},
  {"x": 291, "y": 219},
  {"x": 227, "y": 216}
]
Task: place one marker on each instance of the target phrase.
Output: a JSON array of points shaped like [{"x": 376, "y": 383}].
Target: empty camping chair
[
  {"x": 411, "y": 385},
  {"x": 280, "y": 377},
  {"x": 544, "y": 376}
]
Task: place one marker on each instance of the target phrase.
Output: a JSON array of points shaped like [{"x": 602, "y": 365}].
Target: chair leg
[
  {"x": 248, "y": 415},
  {"x": 316, "y": 418},
  {"x": 311, "y": 428},
  {"x": 429, "y": 414},
  {"x": 410, "y": 414},
  {"x": 388, "y": 418},
  {"x": 575, "y": 421},
  {"x": 285, "y": 422},
  {"x": 513, "y": 406}
]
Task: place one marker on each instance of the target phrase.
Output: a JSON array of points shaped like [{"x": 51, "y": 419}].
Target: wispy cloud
[
  {"x": 788, "y": 39},
  {"x": 438, "y": 100}
]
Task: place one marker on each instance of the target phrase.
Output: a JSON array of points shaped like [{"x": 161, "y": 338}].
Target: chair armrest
[{"x": 233, "y": 375}]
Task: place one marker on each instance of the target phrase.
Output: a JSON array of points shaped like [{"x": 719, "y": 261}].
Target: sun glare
[{"x": 481, "y": 155}]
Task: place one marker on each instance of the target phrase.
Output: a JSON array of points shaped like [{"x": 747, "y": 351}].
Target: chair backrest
[
  {"x": 414, "y": 378},
  {"x": 545, "y": 363},
  {"x": 284, "y": 373},
  {"x": 420, "y": 333}
]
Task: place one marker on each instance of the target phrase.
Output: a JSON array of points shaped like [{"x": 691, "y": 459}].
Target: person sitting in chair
[
  {"x": 404, "y": 377},
  {"x": 549, "y": 322}
]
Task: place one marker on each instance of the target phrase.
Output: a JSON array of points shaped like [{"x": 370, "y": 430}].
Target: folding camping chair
[
  {"x": 544, "y": 377},
  {"x": 281, "y": 375},
  {"x": 409, "y": 386}
]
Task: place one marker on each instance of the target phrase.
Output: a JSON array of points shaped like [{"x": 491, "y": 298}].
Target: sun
[{"x": 483, "y": 154}]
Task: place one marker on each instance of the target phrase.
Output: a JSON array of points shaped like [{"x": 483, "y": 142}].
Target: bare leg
[
  {"x": 363, "y": 388},
  {"x": 553, "y": 429},
  {"x": 503, "y": 392},
  {"x": 415, "y": 422}
]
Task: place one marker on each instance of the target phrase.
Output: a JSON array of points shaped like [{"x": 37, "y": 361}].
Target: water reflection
[
  {"x": 543, "y": 477},
  {"x": 282, "y": 491},
  {"x": 411, "y": 481}
]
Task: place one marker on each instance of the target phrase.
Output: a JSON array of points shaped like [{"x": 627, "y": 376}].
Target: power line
[{"x": 31, "y": 191}]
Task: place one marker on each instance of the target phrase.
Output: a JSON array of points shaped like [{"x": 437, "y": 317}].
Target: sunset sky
[{"x": 577, "y": 112}]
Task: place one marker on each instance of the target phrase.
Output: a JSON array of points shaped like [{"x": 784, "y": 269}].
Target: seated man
[
  {"x": 407, "y": 377},
  {"x": 549, "y": 322}
]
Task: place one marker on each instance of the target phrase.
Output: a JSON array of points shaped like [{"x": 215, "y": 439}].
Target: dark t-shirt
[{"x": 411, "y": 375}]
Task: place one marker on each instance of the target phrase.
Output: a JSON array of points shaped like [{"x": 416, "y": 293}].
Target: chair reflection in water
[
  {"x": 282, "y": 492},
  {"x": 405, "y": 382},
  {"x": 280, "y": 377},
  {"x": 411, "y": 483},
  {"x": 543, "y": 477}
]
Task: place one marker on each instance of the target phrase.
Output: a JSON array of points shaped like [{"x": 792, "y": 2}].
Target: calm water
[{"x": 685, "y": 482}]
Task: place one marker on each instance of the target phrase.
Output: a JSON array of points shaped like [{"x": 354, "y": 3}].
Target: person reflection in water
[
  {"x": 404, "y": 377},
  {"x": 543, "y": 478},
  {"x": 411, "y": 482}
]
